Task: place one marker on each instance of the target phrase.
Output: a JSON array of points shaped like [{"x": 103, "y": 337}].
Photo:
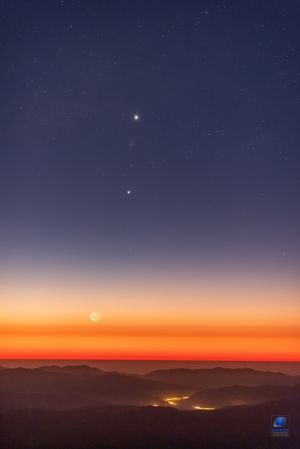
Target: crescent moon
[{"x": 95, "y": 315}]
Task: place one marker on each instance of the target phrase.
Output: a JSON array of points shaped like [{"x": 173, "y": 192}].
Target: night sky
[{"x": 150, "y": 136}]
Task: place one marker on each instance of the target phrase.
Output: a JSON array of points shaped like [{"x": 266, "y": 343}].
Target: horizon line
[{"x": 98, "y": 359}]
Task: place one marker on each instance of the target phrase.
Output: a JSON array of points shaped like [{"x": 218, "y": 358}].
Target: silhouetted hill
[
  {"x": 76, "y": 370},
  {"x": 239, "y": 395},
  {"x": 222, "y": 377},
  {"x": 148, "y": 428}
]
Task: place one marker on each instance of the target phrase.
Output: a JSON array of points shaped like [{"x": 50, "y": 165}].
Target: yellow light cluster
[
  {"x": 197, "y": 407},
  {"x": 173, "y": 401}
]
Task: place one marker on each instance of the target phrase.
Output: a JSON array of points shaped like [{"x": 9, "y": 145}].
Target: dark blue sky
[{"x": 211, "y": 165}]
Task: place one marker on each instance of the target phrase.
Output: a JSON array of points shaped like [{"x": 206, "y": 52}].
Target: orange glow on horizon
[
  {"x": 149, "y": 321},
  {"x": 180, "y": 347}
]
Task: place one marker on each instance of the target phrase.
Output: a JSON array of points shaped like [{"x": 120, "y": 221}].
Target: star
[
  {"x": 136, "y": 117},
  {"x": 128, "y": 192}
]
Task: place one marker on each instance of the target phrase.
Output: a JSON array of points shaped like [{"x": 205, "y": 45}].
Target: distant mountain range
[
  {"x": 76, "y": 370},
  {"x": 82, "y": 386},
  {"x": 222, "y": 377},
  {"x": 69, "y": 387}
]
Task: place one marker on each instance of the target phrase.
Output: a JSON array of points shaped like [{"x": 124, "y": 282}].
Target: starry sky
[{"x": 149, "y": 168}]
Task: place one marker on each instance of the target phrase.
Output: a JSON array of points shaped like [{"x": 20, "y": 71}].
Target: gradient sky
[{"x": 149, "y": 169}]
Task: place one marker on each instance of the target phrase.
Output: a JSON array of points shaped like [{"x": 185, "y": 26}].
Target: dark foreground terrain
[{"x": 121, "y": 427}]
